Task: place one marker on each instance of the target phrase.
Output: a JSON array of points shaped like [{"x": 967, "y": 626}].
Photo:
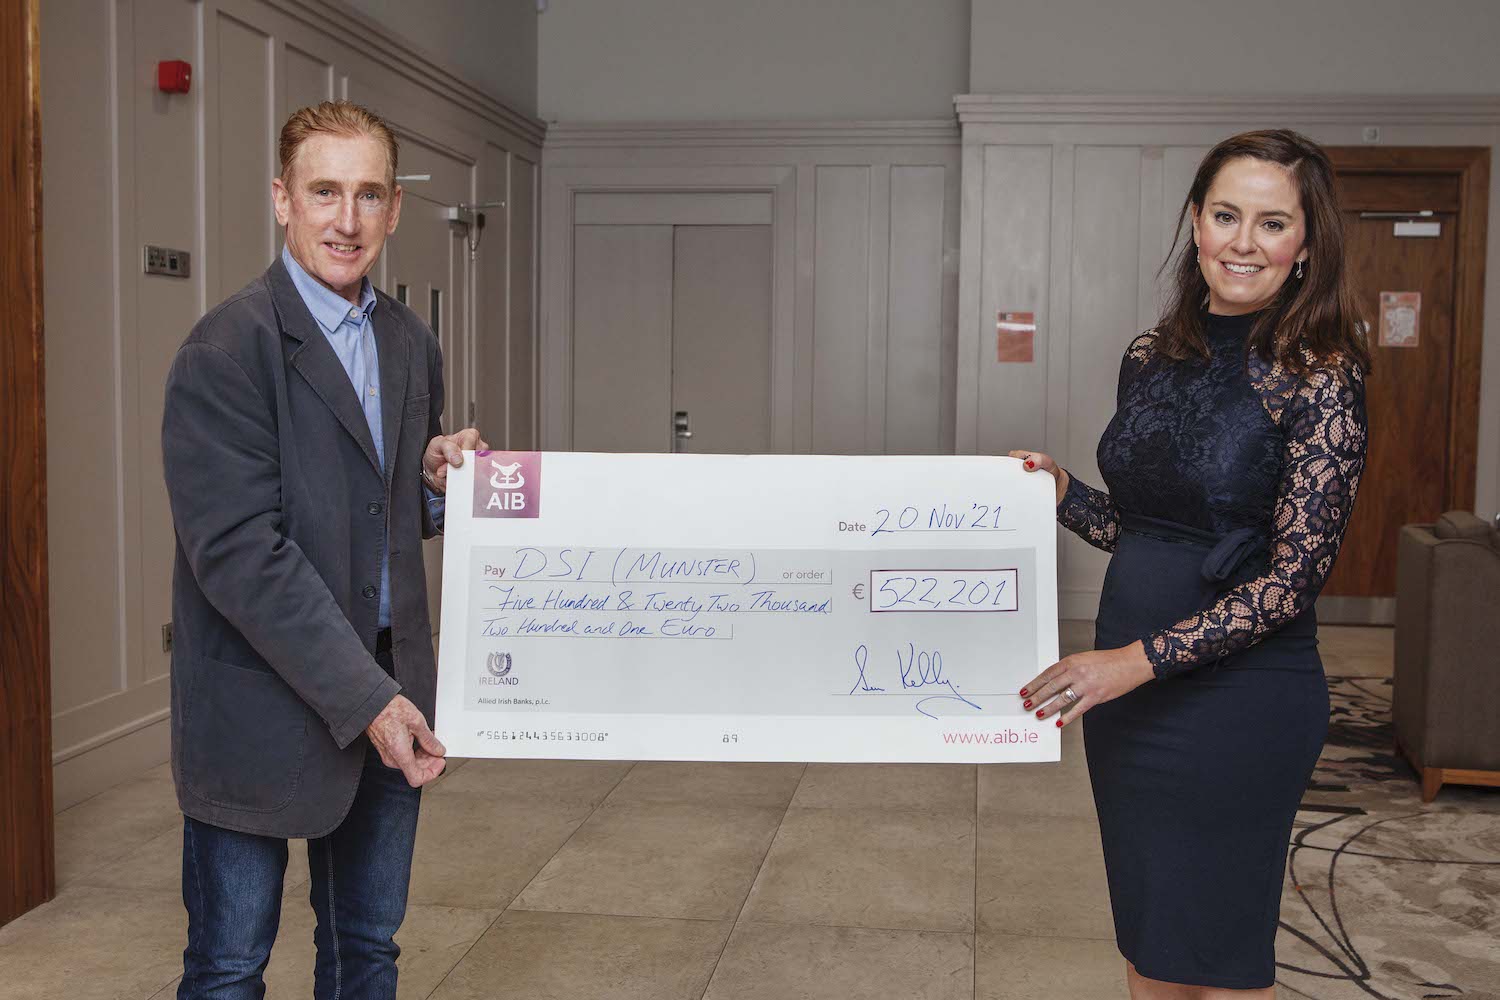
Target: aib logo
[
  {"x": 507, "y": 477},
  {"x": 498, "y": 665},
  {"x": 507, "y": 484}
]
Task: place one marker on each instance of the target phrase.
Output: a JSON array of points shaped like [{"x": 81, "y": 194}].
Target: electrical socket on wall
[{"x": 165, "y": 260}]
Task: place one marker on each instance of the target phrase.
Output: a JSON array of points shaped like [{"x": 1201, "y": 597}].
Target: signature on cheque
[{"x": 916, "y": 671}]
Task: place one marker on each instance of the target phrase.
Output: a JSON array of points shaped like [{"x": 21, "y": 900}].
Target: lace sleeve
[
  {"x": 1324, "y": 455},
  {"x": 1090, "y": 514},
  {"x": 1134, "y": 362}
]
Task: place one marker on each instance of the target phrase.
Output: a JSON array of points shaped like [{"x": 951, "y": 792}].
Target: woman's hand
[
  {"x": 1077, "y": 683},
  {"x": 1033, "y": 461}
]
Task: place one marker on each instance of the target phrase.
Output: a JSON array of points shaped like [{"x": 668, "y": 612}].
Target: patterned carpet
[{"x": 1387, "y": 897}]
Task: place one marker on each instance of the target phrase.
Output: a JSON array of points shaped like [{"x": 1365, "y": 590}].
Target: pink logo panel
[{"x": 508, "y": 484}]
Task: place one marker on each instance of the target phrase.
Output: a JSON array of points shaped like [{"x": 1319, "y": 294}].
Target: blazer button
[
  {"x": 374, "y": 507},
  {"x": 370, "y": 591}
]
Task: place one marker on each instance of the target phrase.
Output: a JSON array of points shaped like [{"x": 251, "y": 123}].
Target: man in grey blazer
[{"x": 305, "y": 463}]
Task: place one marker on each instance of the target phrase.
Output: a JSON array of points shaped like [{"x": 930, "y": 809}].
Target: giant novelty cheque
[{"x": 745, "y": 607}]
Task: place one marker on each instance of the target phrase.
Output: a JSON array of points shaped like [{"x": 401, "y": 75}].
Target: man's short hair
[{"x": 342, "y": 118}]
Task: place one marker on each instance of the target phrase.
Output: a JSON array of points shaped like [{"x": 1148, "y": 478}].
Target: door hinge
[{"x": 166, "y": 638}]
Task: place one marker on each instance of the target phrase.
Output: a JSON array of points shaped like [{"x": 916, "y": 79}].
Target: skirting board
[
  {"x": 1083, "y": 605},
  {"x": 1356, "y": 611},
  {"x": 111, "y": 764},
  {"x": 1078, "y": 605}
]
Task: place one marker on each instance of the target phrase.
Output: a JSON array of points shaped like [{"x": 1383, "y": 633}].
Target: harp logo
[
  {"x": 507, "y": 484},
  {"x": 498, "y": 667}
]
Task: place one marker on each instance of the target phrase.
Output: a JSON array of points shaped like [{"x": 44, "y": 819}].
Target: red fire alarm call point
[{"x": 174, "y": 76}]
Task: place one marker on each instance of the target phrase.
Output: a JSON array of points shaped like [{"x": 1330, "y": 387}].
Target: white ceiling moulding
[
  {"x": 413, "y": 64},
  {"x": 1114, "y": 109},
  {"x": 781, "y": 134}
]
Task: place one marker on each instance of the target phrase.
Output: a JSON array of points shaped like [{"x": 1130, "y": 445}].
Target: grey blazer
[{"x": 281, "y": 510}]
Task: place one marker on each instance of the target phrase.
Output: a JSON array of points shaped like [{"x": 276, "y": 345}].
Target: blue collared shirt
[{"x": 350, "y": 330}]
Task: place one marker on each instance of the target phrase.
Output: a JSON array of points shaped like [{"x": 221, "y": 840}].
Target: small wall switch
[{"x": 165, "y": 260}]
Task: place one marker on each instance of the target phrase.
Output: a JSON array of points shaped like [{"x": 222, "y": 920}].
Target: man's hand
[
  {"x": 448, "y": 449},
  {"x": 393, "y": 731}
]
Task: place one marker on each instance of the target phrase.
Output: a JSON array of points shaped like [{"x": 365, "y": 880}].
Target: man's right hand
[{"x": 401, "y": 736}]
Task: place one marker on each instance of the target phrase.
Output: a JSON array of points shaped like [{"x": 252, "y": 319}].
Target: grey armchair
[{"x": 1447, "y": 680}]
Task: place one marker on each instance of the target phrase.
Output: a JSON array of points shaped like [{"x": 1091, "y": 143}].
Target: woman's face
[{"x": 1250, "y": 230}]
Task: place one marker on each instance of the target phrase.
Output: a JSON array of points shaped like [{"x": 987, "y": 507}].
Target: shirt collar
[{"x": 327, "y": 307}]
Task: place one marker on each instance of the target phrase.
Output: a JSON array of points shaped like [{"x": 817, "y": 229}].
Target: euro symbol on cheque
[{"x": 859, "y": 591}]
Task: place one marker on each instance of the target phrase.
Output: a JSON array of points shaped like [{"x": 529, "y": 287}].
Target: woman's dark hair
[{"x": 1318, "y": 314}]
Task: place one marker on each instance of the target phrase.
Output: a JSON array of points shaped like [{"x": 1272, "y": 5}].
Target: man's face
[{"x": 338, "y": 204}]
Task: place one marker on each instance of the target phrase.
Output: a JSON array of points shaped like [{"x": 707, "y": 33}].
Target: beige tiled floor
[{"x": 658, "y": 881}]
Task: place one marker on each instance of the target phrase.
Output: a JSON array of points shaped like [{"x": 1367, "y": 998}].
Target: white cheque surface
[{"x": 728, "y": 607}]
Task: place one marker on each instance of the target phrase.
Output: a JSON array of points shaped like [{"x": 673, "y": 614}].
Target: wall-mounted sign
[
  {"x": 1400, "y": 319},
  {"x": 1014, "y": 335},
  {"x": 1419, "y": 229}
]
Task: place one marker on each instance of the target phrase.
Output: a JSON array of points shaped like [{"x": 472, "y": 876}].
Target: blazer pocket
[
  {"x": 244, "y": 735},
  {"x": 417, "y": 406}
]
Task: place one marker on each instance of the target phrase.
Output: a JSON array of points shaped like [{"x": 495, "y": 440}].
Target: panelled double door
[
  {"x": 427, "y": 268},
  {"x": 672, "y": 338}
]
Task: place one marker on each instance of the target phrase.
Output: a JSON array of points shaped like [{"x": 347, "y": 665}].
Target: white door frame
[
  {"x": 460, "y": 378},
  {"x": 561, "y": 186}
]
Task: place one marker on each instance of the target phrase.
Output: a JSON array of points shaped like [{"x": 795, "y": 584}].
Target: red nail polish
[
  {"x": 1024, "y": 692},
  {"x": 1039, "y": 713},
  {"x": 1030, "y": 464},
  {"x": 1059, "y": 723},
  {"x": 1027, "y": 705}
]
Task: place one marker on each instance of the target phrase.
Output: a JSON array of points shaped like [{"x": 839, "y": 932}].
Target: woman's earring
[{"x": 1299, "y": 269}]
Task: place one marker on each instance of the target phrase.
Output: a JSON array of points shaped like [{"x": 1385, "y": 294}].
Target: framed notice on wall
[
  {"x": 1400, "y": 319},
  {"x": 1015, "y": 333}
]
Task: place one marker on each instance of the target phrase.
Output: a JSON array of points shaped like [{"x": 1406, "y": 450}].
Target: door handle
[{"x": 680, "y": 430}]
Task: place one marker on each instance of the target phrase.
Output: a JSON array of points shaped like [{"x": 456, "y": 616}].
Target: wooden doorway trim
[
  {"x": 27, "y": 875},
  {"x": 1471, "y": 166}
]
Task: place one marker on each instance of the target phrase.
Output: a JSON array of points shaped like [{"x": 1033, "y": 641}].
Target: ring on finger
[{"x": 1071, "y": 695}]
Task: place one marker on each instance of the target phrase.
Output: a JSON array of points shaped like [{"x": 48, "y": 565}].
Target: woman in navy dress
[{"x": 1232, "y": 463}]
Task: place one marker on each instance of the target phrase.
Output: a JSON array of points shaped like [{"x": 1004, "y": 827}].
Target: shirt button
[
  {"x": 372, "y": 390},
  {"x": 370, "y": 591},
  {"x": 374, "y": 507},
  {"x": 354, "y": 314}
]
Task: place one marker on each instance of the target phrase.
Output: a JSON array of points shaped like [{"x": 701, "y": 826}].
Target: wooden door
[
  {"x": 622, "y": 338},
  {"x": 427, "y": 267},
  {"x": 721, "y": 338},
  {"x": 1423, "y": 390},
  {"x": 26, "y": 853},
  {"x": 672, "y": 320}
]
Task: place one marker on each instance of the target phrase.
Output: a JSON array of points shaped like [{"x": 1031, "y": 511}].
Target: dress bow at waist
[{"x": 1226, "y": 553}]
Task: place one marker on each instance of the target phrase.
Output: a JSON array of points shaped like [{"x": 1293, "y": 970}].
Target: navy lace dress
[{"x": 1230, "y": 483}]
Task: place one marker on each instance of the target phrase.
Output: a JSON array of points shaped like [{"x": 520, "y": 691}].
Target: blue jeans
[{"x": 232, "y": 885}]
